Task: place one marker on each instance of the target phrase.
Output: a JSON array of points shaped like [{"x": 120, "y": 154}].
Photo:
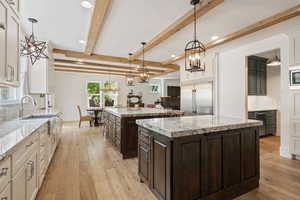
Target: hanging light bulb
[
  {"x": 130, "y": 77},
  {"x": 32, "y": 47},
  {"x": 194, "y": 49},
  {"x": 144, "y": 76}
]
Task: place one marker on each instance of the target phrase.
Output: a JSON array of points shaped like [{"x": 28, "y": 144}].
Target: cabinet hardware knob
[
  {"x": 2, "y": 26},
  {"x": 3, "y": 172}
]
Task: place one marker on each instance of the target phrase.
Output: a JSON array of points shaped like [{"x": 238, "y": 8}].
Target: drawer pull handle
[
  {"x": 30, "y": 144},
  {"x": 11, "y": 2},
  {"x": 2, "y": 26},
  {"x": 3, "y": 172},
  {"x": 4, "y": 198}
]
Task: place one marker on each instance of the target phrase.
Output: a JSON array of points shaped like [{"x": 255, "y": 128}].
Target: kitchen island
[
  {"x": 199, "y": 157},
  {"x": 121, "y": 129}
]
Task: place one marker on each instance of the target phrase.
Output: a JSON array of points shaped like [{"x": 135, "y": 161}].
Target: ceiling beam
[
  {"x": 270, "y": 21},
  {"x": 74, "y": 54},
  {"x": 98, "y": 18},
  {"x": 101, "y": 70},
  {"x": 102, "y": 65},
  {"x": 179, "y": 24},
  {"x": 89, "y": 72}
]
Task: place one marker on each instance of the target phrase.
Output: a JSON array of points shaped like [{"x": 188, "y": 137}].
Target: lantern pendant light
[
  {"x": 32, "y": 47},
  {"x": 194, "y": 49},
  {"x": 144, "y": 76},
  {"x": 130, "y": 77}
]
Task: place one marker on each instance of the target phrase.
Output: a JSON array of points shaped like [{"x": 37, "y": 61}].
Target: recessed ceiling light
[
  {"x": 86, "y": 4},
  {"x": 82, "y": 41},
  {"x": 215, "y": 37},
  {"x": 173, "y": 56}
]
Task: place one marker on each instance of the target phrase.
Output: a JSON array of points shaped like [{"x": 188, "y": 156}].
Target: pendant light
[
  {"x": 32, "y": 47},
  {"x": 194, "y": 49},
  {"x": 144, "y": 76},
  {"x": 274, "y": 61},
  {"x": 130, "y": 77}
]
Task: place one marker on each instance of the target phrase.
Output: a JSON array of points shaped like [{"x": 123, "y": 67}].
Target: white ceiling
[{"x": 129, "y": 22}]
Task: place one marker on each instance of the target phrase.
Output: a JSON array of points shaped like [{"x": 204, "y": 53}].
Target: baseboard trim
[{"x": 284, "y": 152}]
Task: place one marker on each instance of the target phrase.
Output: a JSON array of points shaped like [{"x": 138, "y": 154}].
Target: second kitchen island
[
  {"x": 199, "y": 157},
  {"x": 121, "y": 128}
]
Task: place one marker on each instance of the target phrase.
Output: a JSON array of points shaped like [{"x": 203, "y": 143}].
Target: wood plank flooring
[{"x": 87, "y": 167}]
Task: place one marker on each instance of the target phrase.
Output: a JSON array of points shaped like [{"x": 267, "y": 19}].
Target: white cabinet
[
  {"x": 295, "y": 50},
  {"x": 9, "y": 46},
  {"x": 19, "y": 185},
  {"x": 3, "y": 14},
  {"x": 15, "y": 5},
  {"x": 40, "y": 75},
  {"x": 31, "y": 178},
  {"x": 294, "y": 128},
  {"x": 6, "y": 193}
]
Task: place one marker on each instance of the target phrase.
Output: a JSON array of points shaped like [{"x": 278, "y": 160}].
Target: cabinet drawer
[
  {"x": 5, "y": 172},
  {"x": 21, "y": 155},
  {"x": 144, "y": 136},
  {"x": 6, "y": 193}
]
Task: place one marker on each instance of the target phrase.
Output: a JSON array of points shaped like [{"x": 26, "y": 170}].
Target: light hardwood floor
[{"x": 87, "y": 167}]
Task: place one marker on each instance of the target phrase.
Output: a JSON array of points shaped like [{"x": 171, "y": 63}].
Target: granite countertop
[
  {"x": 140, "y": 112},
  {"x": 261, "y": 109},
  {"x": 14, "y": 132},
  {"x": 193, "y": 125}
]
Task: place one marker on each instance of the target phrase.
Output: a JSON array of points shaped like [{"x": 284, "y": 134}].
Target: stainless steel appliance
[
  {"x": 197, "y": 99},
  {"x": 295, "y": 77}
]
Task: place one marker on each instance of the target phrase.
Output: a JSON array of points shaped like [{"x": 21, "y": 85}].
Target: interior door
[{"x": 3, "y": 14}]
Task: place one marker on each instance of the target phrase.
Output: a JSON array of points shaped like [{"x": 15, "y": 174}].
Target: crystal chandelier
[
  {"x": 194, "y": 49},
  {"x": 130, "y": 77},
  {"x": 144, "y": 76},
  {"x": 32, "y": 47}
]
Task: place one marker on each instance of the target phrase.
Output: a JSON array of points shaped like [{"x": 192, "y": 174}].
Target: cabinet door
[
  {"x": 144, "y": 162},
  {"x": 6, "y": 193},
  {"x": 13, "y": 56},
  {"x": 19, "y": 185},
  {"x": 296, "y": 53},
  {"x": 252, "y": 77},
  {"x": 31, "y": 178},
  {"x": 3, "y": 14}
]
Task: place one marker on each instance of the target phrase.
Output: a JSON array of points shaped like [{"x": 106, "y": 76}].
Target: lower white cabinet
[
  {"x": 22, "y": 172},
  {"x": 31, "y": 178},
  {"x": 19, "y": 185}
]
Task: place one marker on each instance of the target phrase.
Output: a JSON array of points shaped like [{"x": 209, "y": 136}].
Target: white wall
[
  {"x": 70, "y": 91},
  {"x": 231, "y": 72}
]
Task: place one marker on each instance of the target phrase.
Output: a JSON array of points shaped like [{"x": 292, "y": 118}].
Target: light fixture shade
[
  {"x": 194, "y": 52},
  {"x": 144, "y": 75},
  {"x": 33, "y": 48}
]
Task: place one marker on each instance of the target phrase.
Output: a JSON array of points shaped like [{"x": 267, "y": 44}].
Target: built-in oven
[{"x": 295, "y": 77}]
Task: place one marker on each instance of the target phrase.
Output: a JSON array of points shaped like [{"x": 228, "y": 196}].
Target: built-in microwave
[{"x": 295, "y": 77}]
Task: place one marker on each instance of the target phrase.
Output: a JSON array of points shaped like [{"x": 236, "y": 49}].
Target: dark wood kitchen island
[
  {"x": 121, "y": 129},
  {"x": 199, "y": 157}
]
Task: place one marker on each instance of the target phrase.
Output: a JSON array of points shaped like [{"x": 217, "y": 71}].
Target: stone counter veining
[
  {"x": 14, "y": 132},
  {"x": 141, "y": 112},
  {"x": 193, "y": 125}
]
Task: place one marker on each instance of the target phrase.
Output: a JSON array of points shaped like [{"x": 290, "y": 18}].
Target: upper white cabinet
[
  {"x": 15, "y": 5},
  {"x": 295, "y": 51},
  {"x": 9, "y": 46},
  {"x": 40, "y": 75}
]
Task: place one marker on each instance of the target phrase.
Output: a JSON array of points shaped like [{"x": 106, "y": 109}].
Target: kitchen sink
[{"x": 31, "y": 117}]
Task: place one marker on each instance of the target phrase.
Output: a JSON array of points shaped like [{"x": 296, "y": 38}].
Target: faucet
[{"x": 21, "y": 113}]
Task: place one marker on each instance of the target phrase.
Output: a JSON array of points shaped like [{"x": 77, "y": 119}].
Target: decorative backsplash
[{"x": 11, "y": 112}]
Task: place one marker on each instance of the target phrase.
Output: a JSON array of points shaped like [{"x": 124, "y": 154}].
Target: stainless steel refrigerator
[{"x": 197, "y": 99}]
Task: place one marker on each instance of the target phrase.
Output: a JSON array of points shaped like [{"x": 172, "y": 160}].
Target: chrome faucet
[{"x": 21, "y": 112}]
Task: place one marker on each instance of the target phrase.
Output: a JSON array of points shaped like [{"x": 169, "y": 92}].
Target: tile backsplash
[{"x": 11, "y": 111}]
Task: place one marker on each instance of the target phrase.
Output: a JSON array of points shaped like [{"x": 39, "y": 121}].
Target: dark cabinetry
[
  {"x": 257, "y": 76},
  {"x": 269, "y": 119},
  {"x": 220, "y": 165}
]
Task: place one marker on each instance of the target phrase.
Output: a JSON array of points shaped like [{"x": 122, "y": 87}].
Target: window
[
  {"x": 102, "y": 94},
  {"x": 155, "y": 88},
  {"x": 94, "y": 94}
]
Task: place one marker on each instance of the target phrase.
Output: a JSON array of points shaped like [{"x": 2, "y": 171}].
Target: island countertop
[
  {"x": 141, "y": 112},
  {"x": 193, "y": 125}
]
